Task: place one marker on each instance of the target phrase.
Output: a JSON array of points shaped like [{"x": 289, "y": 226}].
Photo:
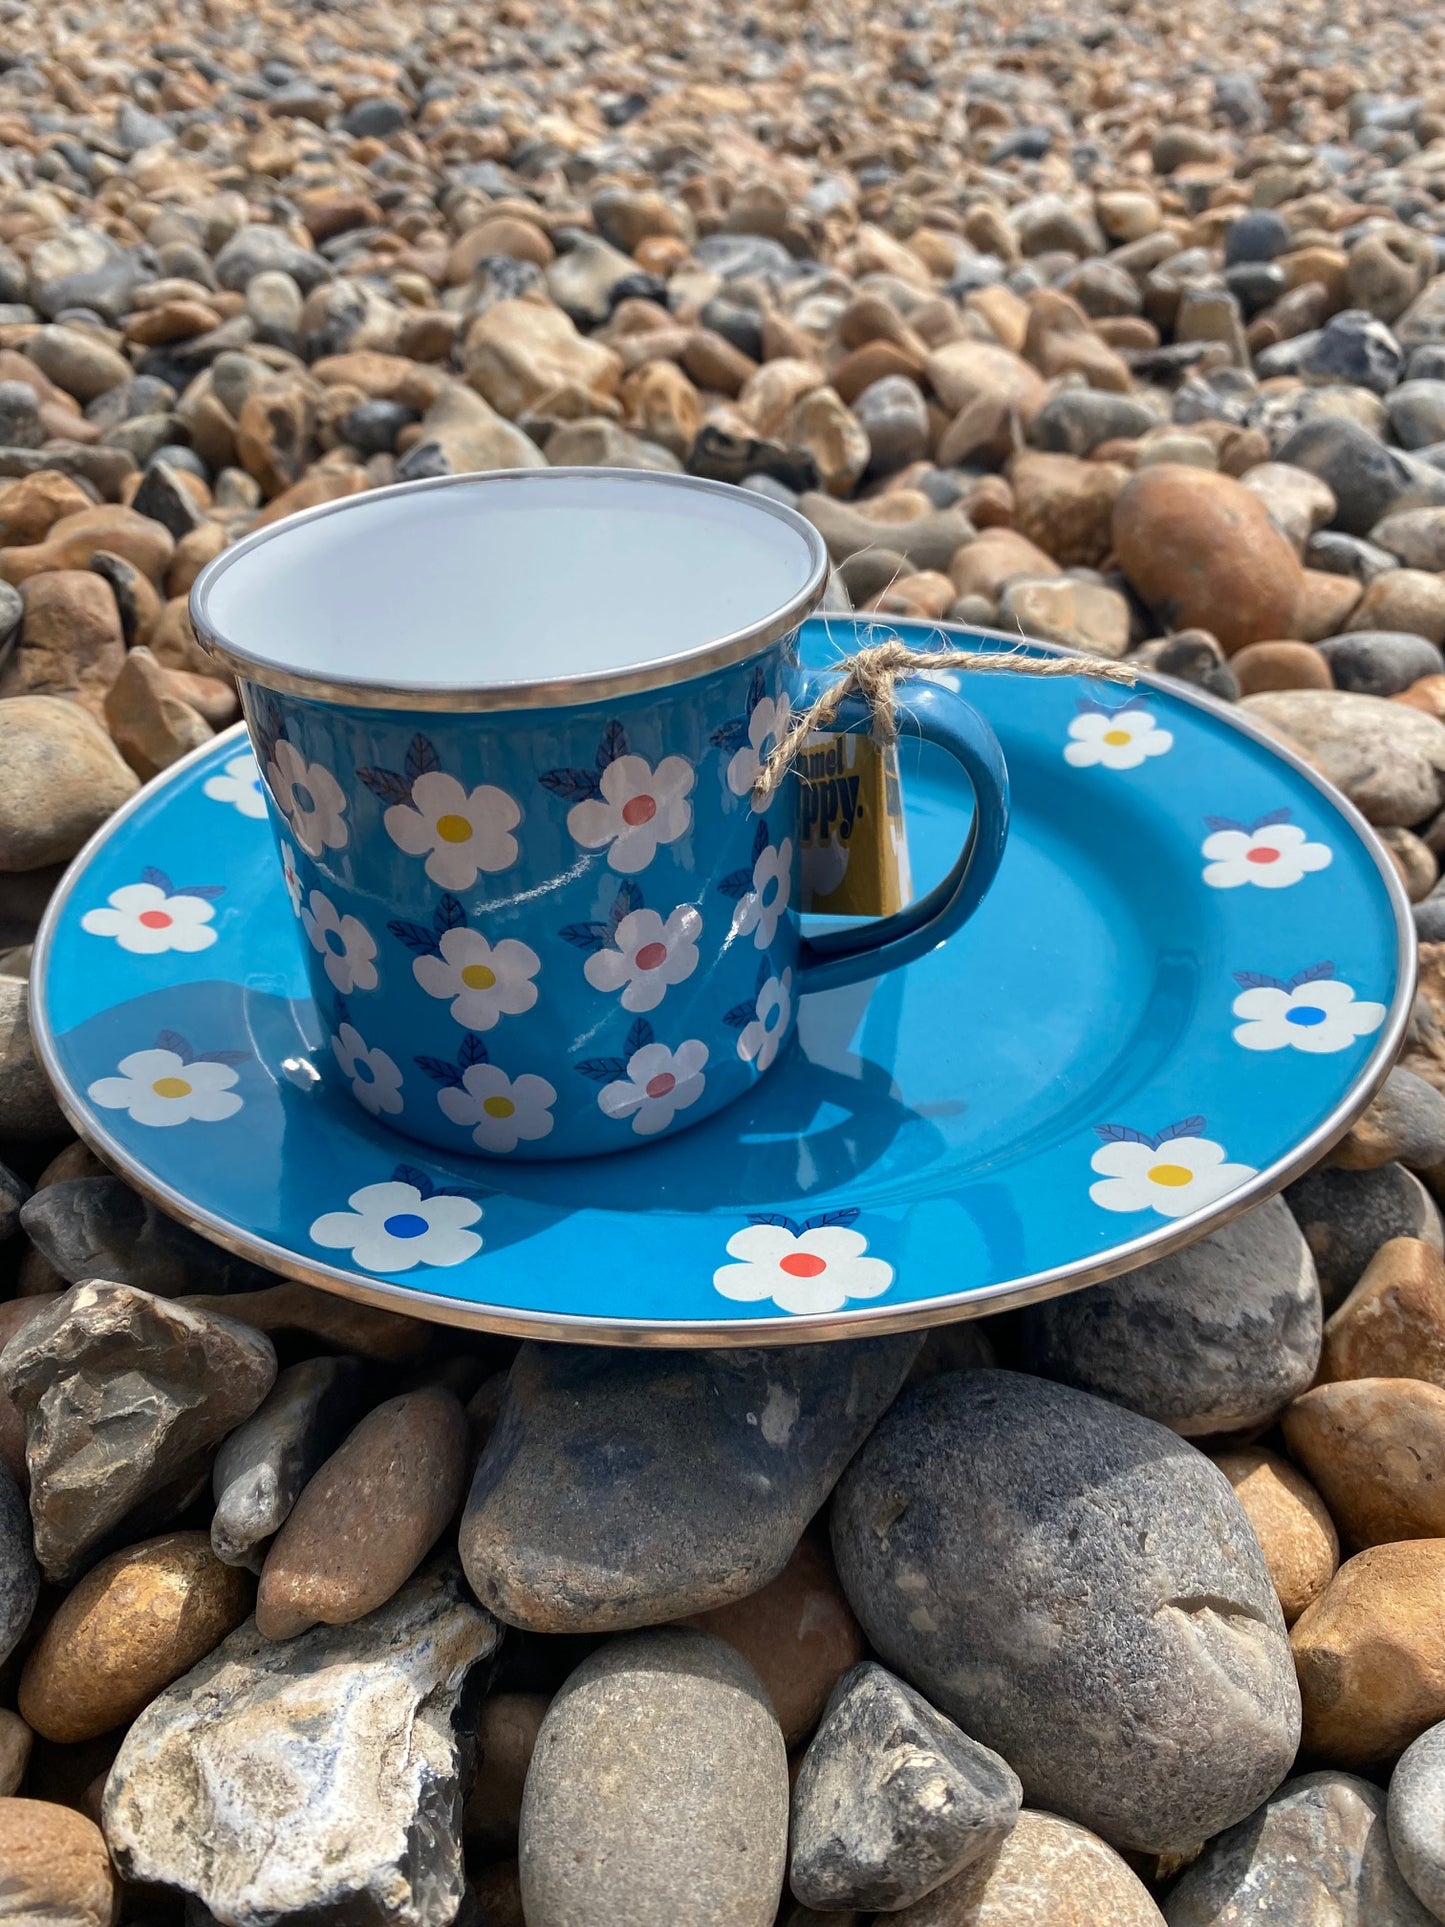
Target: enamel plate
[{"x": 1192, "y": 974}]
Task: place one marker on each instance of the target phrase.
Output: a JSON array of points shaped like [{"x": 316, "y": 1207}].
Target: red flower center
[
  {"x": 651, "y": 955},
  {"x": 155, "y": 919},
  {"x": 661, "y": 1085},
  {"x": 1261, "y": 854},
  {"x": 802, "y": 1264},
  {"x": 638, "y": 809}
]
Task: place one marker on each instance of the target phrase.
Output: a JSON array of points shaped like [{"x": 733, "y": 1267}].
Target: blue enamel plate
[{"x": 1192, "y": 974}]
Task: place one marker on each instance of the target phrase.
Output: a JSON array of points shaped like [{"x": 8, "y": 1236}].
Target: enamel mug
[{"x": 509, "y": 725}]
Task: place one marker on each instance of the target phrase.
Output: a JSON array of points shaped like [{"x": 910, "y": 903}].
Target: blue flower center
[
  {"x": 362, "y": 1072},
  {"x": 406, "y": 1224},
  {"x": 1306, "y": 1014},
  {"x": 336, "y": 943},
  {"x": 770, "y": 892},
  {"x": 773, "y": 1018},
  {"x": 302, "y": 798}
]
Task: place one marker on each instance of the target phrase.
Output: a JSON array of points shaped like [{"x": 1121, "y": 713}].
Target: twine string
[{"x": 874, "y": 673}]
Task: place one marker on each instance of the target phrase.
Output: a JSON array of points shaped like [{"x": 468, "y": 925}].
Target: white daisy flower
[
  {"x": 659, "y": 1083},
  {"x": 485, "y": 981},
  {"x": 767, "y": 723},
  {"x": 238, "y": 782},
  {"x": 145, "y": 919},
  {"x": 1119, "y": 739},
  {"x": 310, "y": 799},
  {"x": 346, "y": 946},
  {"x": 639, "y": 808},
  {"x": 767, "y": 901},
  {"x": 500, "y": 1111},
  {"x": 391, "y": 1227},
  {"x": 161, "y": 1087},
  {"x": 375, "y": 1079},
  {"x": 1174, "y": 1178},
  {"x": 1271, "y": 857},
  {"x": 459, "y": 831},
  {"x": 648, "y": 957},
  {"x": 759, "y": 1040},
  {"x": 289, "y": 876},
  {"x": 1315, "y": 1017},
  {"x": 815, "y": 1270}
]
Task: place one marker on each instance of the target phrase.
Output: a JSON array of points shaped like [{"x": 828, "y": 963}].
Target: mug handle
[{"x": 939, "y": 716}]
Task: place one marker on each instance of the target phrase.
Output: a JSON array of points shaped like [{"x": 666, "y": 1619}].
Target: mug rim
[{"x": 552, "y": 692}]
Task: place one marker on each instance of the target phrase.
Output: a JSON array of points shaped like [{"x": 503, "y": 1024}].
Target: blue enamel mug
[{"x": 508, "y": 725}]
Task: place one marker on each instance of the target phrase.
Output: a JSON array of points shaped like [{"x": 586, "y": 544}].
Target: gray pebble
[
  {"x": 19, "y": 1574},
  {"x": 1415, "y": 1816},
  {"x": 1347, "y": 1215},
  {"x": 20, "y": 425},
  {"x": 254, "y": 248},
  {"x": 1335, "y": 553},
  {"x": 1417, "y": 413},
  {"x": 1368, "y": 479},
  {"x": 1380, "y": 662},
  {"x": 1352, "y": 347},
  {"x": 101, "y": 1228}
]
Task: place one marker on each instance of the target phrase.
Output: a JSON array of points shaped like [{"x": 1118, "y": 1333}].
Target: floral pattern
[
  {"x": 310, "y": 799},
  {"x": 1174, "y": 1172},
  {"x": 499, "y": 1111},
  {"x": 374, "y": 1078},
  {"x": 238, "y": 783},
  {"x": 1272, "y": 853},
  {"x": 153, "y": 915},
  {"x": 764, "y": 892},
  {"x": 752, "y": 738},
  {"x": 637, "y": 951},
  {"x": 346, "y": 947},
  {"x": 290, "y": 876},
  {"x": 651, "y": 1082},
  {"x": 1313, "y": 1011},
  {"x": 1121, "y": 738},
  {"x": 402, "y": 1223},
  {"x": 460, "y": 832},
  {"x": 816, "y": 1266},
  {"x": 624, "y": 805},
  {"x": 763, "y": 1024},
  {"x": 485, "y": 981},
  {"x": 172, "y": 1084}
]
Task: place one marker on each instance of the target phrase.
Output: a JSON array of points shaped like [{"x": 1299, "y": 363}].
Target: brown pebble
[
  {"x": 1049, "y": 1872},
  {"x": 15, "y": 1742},
  {"x": 507, "y": 1729},
  {"x": 1392, "y": 1325},
  {"x": 1280, "y": 665},
  {"x": 983, "y": 566},
  {"x": 1370, "y": 1655},
  {"x": 1325, "y": 605},
  {"x": 54, "y": 1869},
  {"x": 71, "y": 642},
  {"x": 369, "y": 1517},
  {"x": 1428, "y": 694},
  {"x": 133, "y": 1624},
  {"x": 1375, "y": 1447},
  {"x": 1295, "y": 1532},
  {"x": 31, "y": 506},
  {"x": 149, "y": 721}
]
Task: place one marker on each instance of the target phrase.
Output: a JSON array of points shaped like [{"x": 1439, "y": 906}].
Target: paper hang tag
[{"x": 853, "y": 839}]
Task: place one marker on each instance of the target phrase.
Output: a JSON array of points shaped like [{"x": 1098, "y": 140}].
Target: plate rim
[{"x": 808, "y": 1328}]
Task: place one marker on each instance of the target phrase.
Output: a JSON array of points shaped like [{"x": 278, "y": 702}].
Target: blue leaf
[
  {"x": 421, "y": 758},
  {"x": 777, "y": 1218},
  {"x": 172, "y": 1040},
  {"x": 1257, "y": 980},
  {"x": 208, "y": 892},
  {"x": 757, "y": 688},
  {"x": 439, "y": 1070},
  {"x": 418, "y": 1180},
  {"x": 739, "y": 1015},
  {"x": 473, "y": 1051},
  {"x": 760, "y": 838},
  {"x": 1268, "y": 821},
  {"x": 1122, "y": 1134},
  {"x": 613, "y": 745},
  {"x": 1316, "y": 973},
  {"x": 628, "y": 899},
  {"x": 386, "y": 784},
  {"x": 602, "y": 1070},
  {"x": 736, "y": 883},
  {"x": 823, "y": 1218},
  {"x": 222, "y": 1057},
  {"x": 639, "y": 1036},
  {"x": 157, "y": 879},
  {"x": 1223, "y": 823},
  {"x": 570, "y": 783},
  {"x": 585, "y": 936},
  {"x": 730, "y": 735},
  {"x": 449, "y": 915},
  {"x": 1186, "y": 1127},
  {"x": 416, "y": 937}
]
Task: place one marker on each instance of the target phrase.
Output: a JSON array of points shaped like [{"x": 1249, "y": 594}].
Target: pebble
[
  {"x": 1416, "y": 536},
  {"x": 1405, "y": 599},
  {"x": 1347, "y": 1216},
  {"x": 60, "y": 778},
  {"x": 56, "y": 1868},
  {"x": 1405, "y": 1120},
  {"x": 1388, "y": 760},
  {"x": 658, "y": 1791},
  {"x": 15, "y": 1743},
  {"x": 1380, "y": 662},
  {"x": 729, "y": 1455},
  {"x": 1392, "y": 1325},
  {"x": 1375, "y": 1448},
  {"x": 19, "y": 1574},
  {"x": 1241, "y": 1310},
  {"x": 1291, "y": 1522},
  {"x": 1049, "y": 1872},
  {"x": 134, "y": 1623},
  {"x": 365, "y": 1521},
  {"x": 892, "y": 1799},
  {"x": 1415, "y": 1815},
  {"x": 1318, "y": 1854},
  {"x": 120, "y": 1392},
  {"x": 320, "y": 1776},
  {"x": 1279, "y": 665},
  {"x": 1370, "y": 1655},
  {"x": 507, "y": 1729},
  {"x": 1101, "y": 1522}
]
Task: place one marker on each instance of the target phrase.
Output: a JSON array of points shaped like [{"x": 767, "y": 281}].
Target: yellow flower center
[
  {"x": 478, "y": 977},
  {"x": 453, "y": 829},
  {"x": 171, "y": 1087},
  {"x": 499, "y": 1107},
  {"x": 1116, "y": 736},
  {"x": 1170, "y": 1174}
]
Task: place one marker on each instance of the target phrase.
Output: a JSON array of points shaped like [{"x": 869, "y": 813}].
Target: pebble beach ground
[{"x": 1121, "y": 325}]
